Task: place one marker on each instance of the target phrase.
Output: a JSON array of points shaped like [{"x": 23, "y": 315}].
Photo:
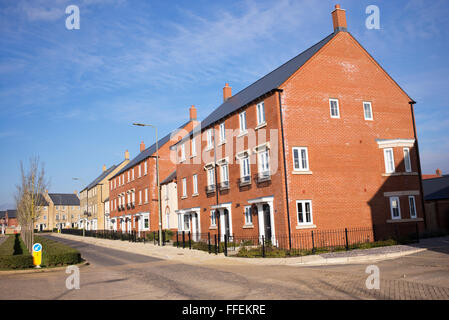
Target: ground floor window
[
  {"x": 304, "y": 212},
  {"x": 395, "y": 208},
  {"x": 186, "y": 222},
  {"x": 213, "y": 218},
  {"x": 248, "y": 216},
  {"x": 412, "y": 205}
]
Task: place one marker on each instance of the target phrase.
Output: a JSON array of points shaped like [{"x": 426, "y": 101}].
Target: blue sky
[{"x": 70, "y": 96}]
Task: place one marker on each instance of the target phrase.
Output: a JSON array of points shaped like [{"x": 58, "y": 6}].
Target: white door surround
[
  {"x": 259, "y": 202},
  {"x": 221, "y": 209}
]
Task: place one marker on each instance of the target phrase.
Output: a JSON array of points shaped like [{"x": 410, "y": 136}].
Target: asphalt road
[{"x": 114, "y": 274}]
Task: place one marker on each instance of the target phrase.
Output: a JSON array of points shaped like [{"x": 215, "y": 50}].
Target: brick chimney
[
  {"x": 227, "y": 92},
  {"x": 142, "y": 146},
  {"x": 126, "y": 155},
  {"x": 438, "y": 172},
  {"x": 339, "y": 19},
  {"x": 192, "y": 112},
  {"x": 104, "y": 168}
]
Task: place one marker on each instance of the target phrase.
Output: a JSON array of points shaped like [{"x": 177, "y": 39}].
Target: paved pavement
[{"x": 118, "y": 274}]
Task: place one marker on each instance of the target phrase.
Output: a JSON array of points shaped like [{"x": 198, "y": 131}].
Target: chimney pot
[
  {"x": 227, "y": 92},
  {"x": 104, "y": 168},
  {"x": 126, "y": 155},
  {"x": 192, "y": 112},
  {"x": 339, "y": 19},
  {"x": 142, "y": 146}
]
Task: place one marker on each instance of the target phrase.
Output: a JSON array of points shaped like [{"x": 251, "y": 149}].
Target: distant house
[
  {"x": 8, "y": 221},
  {"x": 57, "y": 210},
  {"x": 436, "y": 199},
  {"x": 437, "y": 174}
]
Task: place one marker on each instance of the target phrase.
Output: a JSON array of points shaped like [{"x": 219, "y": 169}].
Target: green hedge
[
  {"x": 55, "y": 253},
  {"x": 14, "y": 254}
]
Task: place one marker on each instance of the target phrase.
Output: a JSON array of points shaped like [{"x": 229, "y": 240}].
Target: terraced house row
[{"x": 325, "y": 141}]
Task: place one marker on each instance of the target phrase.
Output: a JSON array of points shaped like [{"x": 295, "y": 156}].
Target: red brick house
[
  {"x": 133, "y": 198},
  {"x": 325, "y": 141}
]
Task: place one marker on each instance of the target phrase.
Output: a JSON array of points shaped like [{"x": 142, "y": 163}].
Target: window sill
[
  {"x": 302, "y": 172},
  {"x": 184, "y": 197},
  {"x": 193, "y": 156},
  {"x": 243, "y": 133},
  {"x": 182, "y": 160},
  {"x": 209, "y": 148},
  {"x": 405, "y": 220},
  {"x": 248, "y": 226},
  {"x": 305, "y": 226},
  {"x": 263, "y": 124},
  {"x": 213, "y": 228},
  {"x": 195, "y": 195},
  {"x": 392, "y": 174},
  {"x": 221, "y": 143}
]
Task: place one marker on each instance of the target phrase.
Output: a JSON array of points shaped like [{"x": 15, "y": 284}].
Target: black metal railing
[{"x": 132, "y": 235}]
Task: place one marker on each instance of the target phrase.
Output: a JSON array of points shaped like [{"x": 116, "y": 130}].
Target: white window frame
[
  {"x": 145, "y": 168},
  {"x": 330, "y": 108},
  {"x": 407, "y": 160},
  {"x": 195, "y": 184},
  {"x": 193, "y": 146},
  {"x": 301, "y": 166},
  {"x": 244, "y": 160},
  {"x": 222, "y": 132},
  {"x": 260, "y": 113},
  {"x": 303, "y": 203},
  {"x": 261, "y": 162},
  {"x": 213, "y": 218},
  {"x": 144, "y": 217},
  {"x": 248, "y": 214},
  {"x": 184, "y": 187},
  {"x": 183, "y": 152},
  {"x": 399, "y": 207},
  {"x": 140, "y": 170},
  {"x": 370, "y": 110},
  {"x": 224, "y": 168},
  {"x": 387, "y": 163},
  {"x": 146, "y": 195},
  {"x": 413, "y": 213},
  {"x": 210, "y": 143},
  {"x": 210, "y": 177},
  {"x": 242, "y": 121}
]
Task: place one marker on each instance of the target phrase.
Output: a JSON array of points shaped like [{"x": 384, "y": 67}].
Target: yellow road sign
[{"x": 37, "y": 254}]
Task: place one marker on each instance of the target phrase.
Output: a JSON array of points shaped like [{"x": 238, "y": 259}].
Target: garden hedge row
[
  {"x": 14, "y": 254},
  {"x": 55, "y": 253}
]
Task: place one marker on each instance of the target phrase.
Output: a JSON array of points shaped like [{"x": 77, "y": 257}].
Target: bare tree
[{"x": 29, "y": 198}]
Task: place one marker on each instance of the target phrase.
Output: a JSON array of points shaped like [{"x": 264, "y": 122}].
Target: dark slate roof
[
  {"x": 436, "y": 188},
  {"x": 264, "y": 85},
  {"x": 99, "y": 178},
  {"x": 64, "y": 199},
  {"x": 149, "y": 151},
  {"x": 2, "y": 214},
  {"x": 11, "y": 213},
  {"x": 42, "y": 201},
  {"x": 171, "y": 177}
]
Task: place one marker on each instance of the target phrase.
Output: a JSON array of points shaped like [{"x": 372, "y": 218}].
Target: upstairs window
[
  {"x": 407, "y": 163},
  {"x": 184, "y": 187},
  {"x": 395, "y": 208},
  {"x": 334, "y": 109},
  {"x": 132, "y": 175},
  {"x": 264, "y": 163},
  {"x": 209, "y": 139},
  {"x": 210, "y": 177},
  {"x": 261, "y": 113},
  {"x": 242, "y": 118},
  {"x": 145, "y": 168},
  {"x": 224, "y": 170},
  {"x": 222, "y": 132},
  {"x": 245, "y": 169},
  {"x": 183, "y": 152},
  {"x": 195, "y": 184},
  {"x": 300, "y": 159},
  {"x": 140, "y": 170},
  {"x": 389, "y": 160},
  {"x": 193, "y": 146},
  {"x": 367, "y": 110}
]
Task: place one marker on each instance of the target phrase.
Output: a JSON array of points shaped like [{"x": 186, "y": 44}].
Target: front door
[
  {"x": 267, "y": 221},
  {"x": 226, "y": 223}
]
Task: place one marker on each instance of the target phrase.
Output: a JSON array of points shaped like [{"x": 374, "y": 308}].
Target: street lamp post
[{"x": 158, "y": 185}]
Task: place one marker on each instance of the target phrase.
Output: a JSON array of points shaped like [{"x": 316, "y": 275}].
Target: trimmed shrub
[
  {"x": 55, "y": 253},
  {"x": 14, "y": 254}
]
